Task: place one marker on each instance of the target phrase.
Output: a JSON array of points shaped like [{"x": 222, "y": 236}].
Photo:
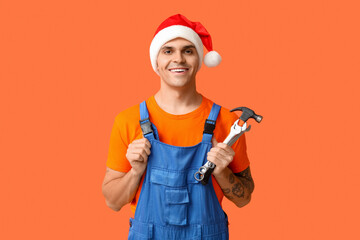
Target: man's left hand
[{"x": 221, "y": 155}]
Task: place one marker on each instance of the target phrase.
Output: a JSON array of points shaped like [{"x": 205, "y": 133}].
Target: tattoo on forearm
[
  {"x": 231, "y": 178},
  {"x": 226, "y": 191},
  {"x": 246, "y": 183},
  {"x": 245, "y": 174},
  {"x": 246, "y": 179},
  {"x": 238, "y": 190}
]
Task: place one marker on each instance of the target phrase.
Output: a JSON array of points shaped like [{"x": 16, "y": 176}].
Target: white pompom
[{"x": 212, "y": 59}]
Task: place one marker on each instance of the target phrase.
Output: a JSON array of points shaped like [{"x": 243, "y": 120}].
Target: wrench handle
[
  {"x": 231, "y": 141},
  {"x": 209, "y": 167}
]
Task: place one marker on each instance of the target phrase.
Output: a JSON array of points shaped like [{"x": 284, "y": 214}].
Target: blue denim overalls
[{"x": 172, "y": 204}]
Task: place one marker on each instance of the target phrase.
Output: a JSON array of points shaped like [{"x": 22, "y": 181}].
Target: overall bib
[{"x": 172, "y": 204}]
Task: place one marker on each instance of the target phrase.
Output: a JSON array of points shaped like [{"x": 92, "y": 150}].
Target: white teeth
[{"x": 177, "y": 70}]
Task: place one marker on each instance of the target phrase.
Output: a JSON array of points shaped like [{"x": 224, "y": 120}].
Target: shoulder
[
  {"x": 224, "y": 122},
  {"x": 130, "y": 114},
  {"x": 127, "y": 122},
  {"x": 224, "y": 115}
]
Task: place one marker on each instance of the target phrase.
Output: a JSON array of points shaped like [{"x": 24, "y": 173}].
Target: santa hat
[{"x": 179, "y": 26}]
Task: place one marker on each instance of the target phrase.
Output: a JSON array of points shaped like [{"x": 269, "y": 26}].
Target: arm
[
  {"x": 236, "y": 187},
  {"x": 119, "y": 188}
]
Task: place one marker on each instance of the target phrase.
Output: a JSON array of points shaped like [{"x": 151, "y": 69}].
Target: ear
[{"x": 214, "y": 141}]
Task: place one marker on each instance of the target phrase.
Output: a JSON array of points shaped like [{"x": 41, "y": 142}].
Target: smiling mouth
[{"x": 178, "y": 70}]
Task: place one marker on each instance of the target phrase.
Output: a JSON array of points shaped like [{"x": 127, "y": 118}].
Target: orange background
[{"x": 68, "y": 67}]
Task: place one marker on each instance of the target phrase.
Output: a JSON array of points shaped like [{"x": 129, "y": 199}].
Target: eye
[
  {"x": 167, "y": 51},
  {"x": 188, "y": 51}
]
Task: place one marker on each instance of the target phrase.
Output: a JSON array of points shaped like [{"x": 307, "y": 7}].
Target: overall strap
[
  {"x": 145, "y": 124},
  {"x": 210, "y": 123}
]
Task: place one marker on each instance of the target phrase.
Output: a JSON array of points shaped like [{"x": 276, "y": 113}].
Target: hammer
[
  {"x": 236, "y": 130},
  {"x": 240, "y": 125},
  {"x": 247, "y": 113}
]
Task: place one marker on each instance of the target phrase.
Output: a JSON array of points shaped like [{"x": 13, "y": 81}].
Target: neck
[{"x": 178, "y": 101}]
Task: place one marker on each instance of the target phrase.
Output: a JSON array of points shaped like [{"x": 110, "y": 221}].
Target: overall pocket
[
  {"x": 173, "y": 203},
  {"x": 140, "y": 231},
  {"x": 137, "y": 236},
  {"x": 176, "y": 209}
]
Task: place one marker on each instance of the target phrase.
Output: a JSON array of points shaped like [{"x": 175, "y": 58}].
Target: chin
[{"x": 177, "y": 83}]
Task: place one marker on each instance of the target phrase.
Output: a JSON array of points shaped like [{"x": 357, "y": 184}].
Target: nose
[{"x": 179, "y": 57}]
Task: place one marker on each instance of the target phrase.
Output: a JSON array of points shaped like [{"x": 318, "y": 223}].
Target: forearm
[
  {"x": 238, "y": 190},
  {"x": 120, "y": 191}
]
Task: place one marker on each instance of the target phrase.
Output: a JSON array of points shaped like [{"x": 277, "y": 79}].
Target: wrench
[{"x": 237, "y": 129}]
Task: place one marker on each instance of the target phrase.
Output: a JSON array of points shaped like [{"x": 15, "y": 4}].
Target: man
[{"x": 151, "y": 163}]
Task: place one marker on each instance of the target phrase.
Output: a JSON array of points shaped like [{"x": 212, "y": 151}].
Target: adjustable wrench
[{"x": 237, "y": 129}]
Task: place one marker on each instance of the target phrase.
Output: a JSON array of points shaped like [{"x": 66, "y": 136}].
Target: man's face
[{"x": 177, "y": 63}]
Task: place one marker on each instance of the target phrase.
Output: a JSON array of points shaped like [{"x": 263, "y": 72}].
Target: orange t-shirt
[{"x": 178, "y": 130}]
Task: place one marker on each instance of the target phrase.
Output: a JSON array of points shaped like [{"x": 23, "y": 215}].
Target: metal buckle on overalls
[{"x": 146, "y": 127}]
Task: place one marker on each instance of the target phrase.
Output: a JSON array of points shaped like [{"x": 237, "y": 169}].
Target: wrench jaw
[
  {"x": 235, "y": 132},
  {"x": 236, "y": 137}
]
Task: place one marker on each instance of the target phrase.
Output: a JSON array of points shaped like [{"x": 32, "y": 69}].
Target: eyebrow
[{"x": 170, "y": 47}]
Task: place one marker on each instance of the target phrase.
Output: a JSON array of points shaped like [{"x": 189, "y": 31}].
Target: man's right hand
[
  {"x": 137, "y": 154},
  {"x": 119, "y": 188}
]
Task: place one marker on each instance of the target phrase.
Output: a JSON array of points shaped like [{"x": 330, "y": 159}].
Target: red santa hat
[{"x": 179, "y": 26}]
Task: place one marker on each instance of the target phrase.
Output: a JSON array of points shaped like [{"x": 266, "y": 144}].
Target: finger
[
  {"x": 226, "y": 148},
  {"x": 218, "y": 156},
  {"x": 137, "y": 157},
  {"x": 139, "y": 147},
  {"x": 142, "y": 151},
  {"x": 141, "y": 142},
  {"x": 147, "y": 150},
  {"x": 147, "y": 142},
  {"x": 134, "y": 157},
  {"x": 221, "y": 154},
  {"x": 144, "y": 156},
  {"x": 144, "y": 142},
  {"x": 219, "y": 162},
  {"x": 219, "y": 151},
  {"x": 212, "y": 158}
]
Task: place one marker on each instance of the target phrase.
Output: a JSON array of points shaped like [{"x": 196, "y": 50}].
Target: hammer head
[{"x": 247, "y": 113}]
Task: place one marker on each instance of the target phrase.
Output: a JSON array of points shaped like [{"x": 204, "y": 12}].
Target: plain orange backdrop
[{"x": 67, "y": 68}]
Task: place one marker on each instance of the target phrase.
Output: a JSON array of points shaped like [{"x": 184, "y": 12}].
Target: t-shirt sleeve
[{"x": 117, "y": 150}]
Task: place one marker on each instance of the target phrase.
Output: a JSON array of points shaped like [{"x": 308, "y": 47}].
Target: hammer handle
[{"x": 241, "y": 123}]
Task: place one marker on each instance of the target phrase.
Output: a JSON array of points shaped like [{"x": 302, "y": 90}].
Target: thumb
[{"x": 214, "y": 141}]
